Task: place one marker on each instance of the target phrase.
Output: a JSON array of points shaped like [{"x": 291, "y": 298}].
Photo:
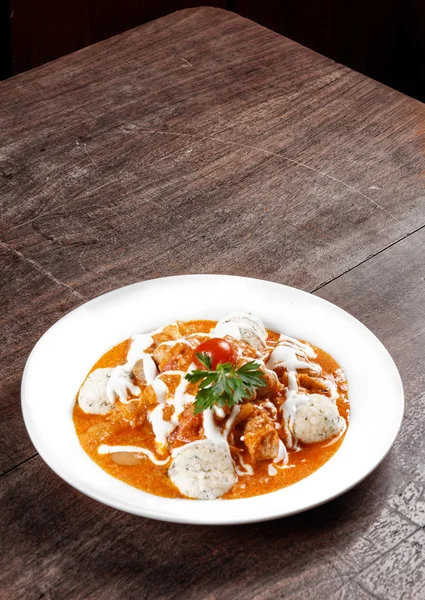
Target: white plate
[{"x": 64, "y": 355}]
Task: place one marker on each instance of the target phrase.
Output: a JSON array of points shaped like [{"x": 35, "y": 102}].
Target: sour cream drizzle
[
  {"x": 120, "y": 383},
  {"x": 161, "y": 428},
  {"x": 174, "y": 342},
  {"x": 292, "y": 355},
  {"x": 244, "y": 468},
  {"x": 212, "y": 432},
  {"x": 288, "y": 353},
  {"x": 181, "y": 397},
  {"x": 105, "y": 449},
  {"x": 282, "y": 454}
]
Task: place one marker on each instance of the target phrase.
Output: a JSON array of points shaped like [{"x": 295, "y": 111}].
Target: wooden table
[{"x": 201, "y": 143}]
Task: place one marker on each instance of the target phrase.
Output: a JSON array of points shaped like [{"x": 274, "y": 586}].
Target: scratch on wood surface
[
  {"x": 86, "y": 151},
  {"x": 277, "y": 155},
  {"x": 92, "y": 190},
  {"x": 41, "y": 269},
  {"x": 187, "y": 62},
  {"x": 34, "y": 218},
  {"x": 83, "y": 147},
  {"x": 381, "y": 251},
  {"x": 80, "y": 262}
]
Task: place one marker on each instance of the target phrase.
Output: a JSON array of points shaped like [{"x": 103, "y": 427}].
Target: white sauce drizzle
[
  {"x": 181, "y": 373},
  {"x": 282, "y": 455},
  {"x": 211, "y": 431},
  {"x": 120, "y": 383},
  {"x": 288, "y": 341},
  {"x": 181, "y": 398},
  {"x": 161, "y": 390},
  {"x": 223, "y": 329},
  {"x": 333, "y": 390},
  {"x": 288, "y": 353},
  {"x": 105, "y": 449},
  {"x": 200, "y": 334},
  {"x": 244, "y": 468},
  {"x": 270, "y": 406},
  {"x": 292, "y": 355},
  {"x": 235, "y": 411},
  {"x": 174, "y": 342},
  {"x": 161, "y": 428},
  {"x": 242, "y": 327},
  {"x": 219, "y": 411}
]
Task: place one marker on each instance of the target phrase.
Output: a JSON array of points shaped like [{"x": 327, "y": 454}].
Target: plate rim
[{"x": 184, "y": 518}]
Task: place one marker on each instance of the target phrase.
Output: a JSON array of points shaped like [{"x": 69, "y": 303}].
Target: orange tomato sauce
[{"x": 93, "y": 430}]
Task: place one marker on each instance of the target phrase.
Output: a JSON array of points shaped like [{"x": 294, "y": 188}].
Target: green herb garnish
[{"x": 227, "y": 385}]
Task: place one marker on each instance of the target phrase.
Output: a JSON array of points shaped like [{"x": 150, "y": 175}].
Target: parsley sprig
[{"x": 227, "y": 385}]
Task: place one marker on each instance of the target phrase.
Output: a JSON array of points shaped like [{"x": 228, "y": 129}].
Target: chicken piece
[
  {"x": 148, "y": 397},
  {"x": 272, "y": 386},
  {"x": 161, "y": 355},
  {"x": 243, "y": 326},
  {"x": 133, "y": 414},
  {"x": 246, "y": 410},
  {"x": 170, "y": 332},
  {"x": 188, "y": 429},
  {"x": 282, "y": 375},
  {"x": 96, "y": 434},
  {"x": 245, "y": 350},
  {"x": 312, "y": 384},
  {"x": 139, "y": 372},
  {"x": 171, "y": 357},
  {"x": 261, "y": 438}
]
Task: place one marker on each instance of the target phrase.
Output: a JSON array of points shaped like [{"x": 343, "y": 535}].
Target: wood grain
[
  {"x": 205, "y": 143},
  {"x": 385, "y": 293},
  {"x": 130, "y": 126},
  {"x": 31, "y": 302},
  {"x": 102, "y": 553}
]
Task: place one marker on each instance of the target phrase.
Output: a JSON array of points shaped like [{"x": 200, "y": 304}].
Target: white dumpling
[
  {"x": 93, "y": 398},
  {"x": 317, "y": 419},
  {"x": 203, "y": 470},
  {"x": 243, "y": 326}
]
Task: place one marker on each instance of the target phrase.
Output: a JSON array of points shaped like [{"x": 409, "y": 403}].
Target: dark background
[{"x": 384, "y": 39}]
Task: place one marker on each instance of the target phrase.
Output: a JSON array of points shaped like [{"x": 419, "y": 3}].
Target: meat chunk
[
  {"x": 188, "y": 429},
  {"x": 245, "y": 350},
  {"x": 148, "y": 397},
  {"x": 133, "y": 414},
  {"x": 244, "y": 413},
  {"x": 272, "y": 384},
  {"x": 169, "y": 332},
  {"x": 261, "y": 438},
  {"x": 171, "y": 357},
  {"x": 312, "y": 384},
  {"x": 139, "y": 372}
]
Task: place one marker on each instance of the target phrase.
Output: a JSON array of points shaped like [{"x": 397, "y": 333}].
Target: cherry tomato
[{"x": 219, "y": 350}]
